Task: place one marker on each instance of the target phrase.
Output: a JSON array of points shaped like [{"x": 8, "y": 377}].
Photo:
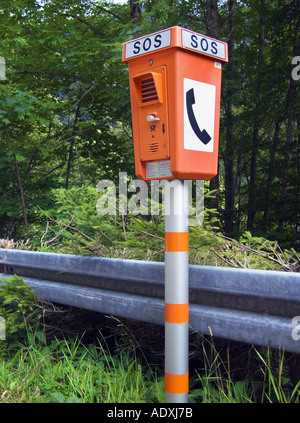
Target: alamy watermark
[
  {"x": 136, "y": 197},
  {"x": 296, "y": 330},
  {"x": 2, "y": 329},
  {"x": 296, "y": 69}
]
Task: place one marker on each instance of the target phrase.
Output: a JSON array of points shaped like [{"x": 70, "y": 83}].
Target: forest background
[{"x": 65, "y": 118}]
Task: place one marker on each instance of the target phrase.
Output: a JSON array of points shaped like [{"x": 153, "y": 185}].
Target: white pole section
[{"x": 176, "y": 292}]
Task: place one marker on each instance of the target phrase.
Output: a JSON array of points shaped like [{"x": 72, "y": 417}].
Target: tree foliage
[{"x": 65, "y": 108}]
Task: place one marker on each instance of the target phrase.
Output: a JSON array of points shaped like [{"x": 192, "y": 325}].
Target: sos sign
[
  {"x": 189, "y": 40},
  {"x": 148, "y": 44}
]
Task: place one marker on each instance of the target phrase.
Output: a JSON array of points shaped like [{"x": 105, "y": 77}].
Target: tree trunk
[
  {"x": 253, "y": 176},
  {"x": 136, "y": 15},
  {"x": 212, "y": 18},
  {"x": 290, "y": 105},
  {"x": 252, "y": 206},
  {"x": 135, "y": 11},
  {"x": 71, "y": 149},
  {"x": 237, "y": 188},
  {"x": 297, "y": 225},
  {"x": 229, "y": 147},
  {"x": 268, "y": 193},
  {"x": 19, "y": 182},
  {"x": 212, "y": 31},
  {"x": 288, "y": 142}
]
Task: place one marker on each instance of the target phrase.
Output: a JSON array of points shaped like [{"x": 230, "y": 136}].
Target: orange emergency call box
[{"x": 175, "y": 90}]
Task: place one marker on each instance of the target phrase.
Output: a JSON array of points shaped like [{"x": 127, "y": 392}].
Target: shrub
[{"x": 16, "y": 303}]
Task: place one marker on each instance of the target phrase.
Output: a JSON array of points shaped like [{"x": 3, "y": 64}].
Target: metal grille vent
[
  {"x": 148, "y": 90},
  {"x": 153, "y": 147}
]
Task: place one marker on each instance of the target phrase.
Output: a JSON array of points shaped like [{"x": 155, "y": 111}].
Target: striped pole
[{"x": 176, "y": 292}]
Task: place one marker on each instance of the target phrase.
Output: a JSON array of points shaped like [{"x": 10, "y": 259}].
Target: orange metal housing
[{"x": 175, "y": 88}]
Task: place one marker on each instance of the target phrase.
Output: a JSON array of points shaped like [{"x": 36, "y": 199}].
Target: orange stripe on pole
[
  {"x": 176, "y": 384},
  {"x": 176, "y": 241},
  {"x": 176, "y": 313}
]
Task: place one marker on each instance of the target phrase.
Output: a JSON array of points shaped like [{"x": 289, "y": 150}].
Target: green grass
[
  {"x": 277, "y": 388},
  {"x": 270, "y": 384},
  {"x": 42, "y": 361},
  {"x": 67, "y": 371},
  {"x": 70, "y": 372}
]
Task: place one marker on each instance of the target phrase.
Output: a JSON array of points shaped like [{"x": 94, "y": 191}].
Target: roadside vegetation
[
  {"x": 54, "y": 354},
  {"x": 60, "y": 354}
]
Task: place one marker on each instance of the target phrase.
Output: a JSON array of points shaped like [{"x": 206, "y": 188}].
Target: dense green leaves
[
  {"x": 16, "y": 302},
  {"x": 65, "y": 105}
]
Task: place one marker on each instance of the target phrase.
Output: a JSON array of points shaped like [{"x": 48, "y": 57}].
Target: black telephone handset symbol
[{"x": 190, "y": 100}]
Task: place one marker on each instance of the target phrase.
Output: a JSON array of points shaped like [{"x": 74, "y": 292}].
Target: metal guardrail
[{"x": 252, "y": 306}]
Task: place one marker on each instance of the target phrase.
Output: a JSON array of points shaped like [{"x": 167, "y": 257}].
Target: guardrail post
[{"x": 176, "y": 292}]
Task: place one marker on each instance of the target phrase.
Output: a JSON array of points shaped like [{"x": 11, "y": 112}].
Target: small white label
[
  {"x": 203, "y": 44},
  {"x": 148, "y": 43},
  {"x": 158, "y": 169}
]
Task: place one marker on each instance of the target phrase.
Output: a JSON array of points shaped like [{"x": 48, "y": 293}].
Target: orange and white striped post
[{"x": 176, "y": 292}]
